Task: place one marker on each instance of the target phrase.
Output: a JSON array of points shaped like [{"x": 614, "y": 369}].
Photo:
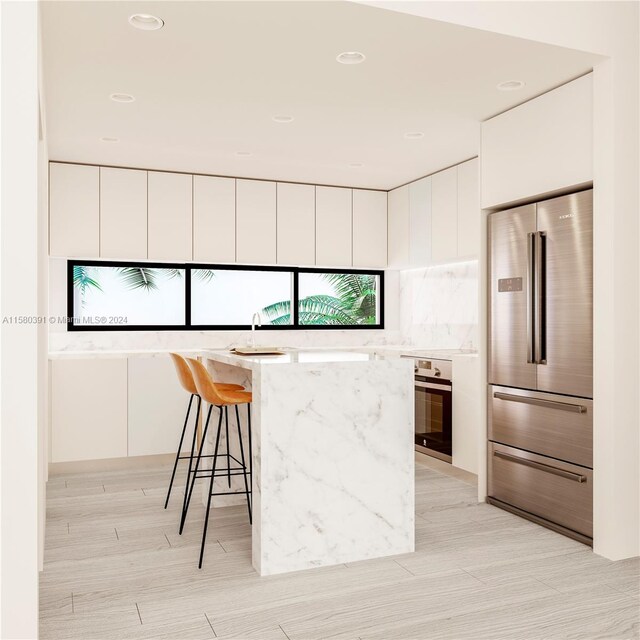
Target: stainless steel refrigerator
[{"x": 541, "y": 362}]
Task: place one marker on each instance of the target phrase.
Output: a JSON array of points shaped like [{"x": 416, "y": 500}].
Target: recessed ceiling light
[
  {"x": 350, "y": 57},
  {"x": 146, "y": 22},
  {"x": 244, "y": 154},
  {"x": 122, "y": 97},
  {"x": 414, "y": 135},
  {"x": 355, "y": 165},
  {"x": 283, "y": 119},
  {"x": 510, "y": 85},
  {"x": 106, "y": 139}
]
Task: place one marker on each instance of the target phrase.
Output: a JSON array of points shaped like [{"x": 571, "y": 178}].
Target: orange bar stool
[
  {"x": 215, "y": 395},
  {"x": 186, "y": 380}
]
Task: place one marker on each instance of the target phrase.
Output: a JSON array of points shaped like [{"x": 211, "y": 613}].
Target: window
[{"x": 156, "y": 296}]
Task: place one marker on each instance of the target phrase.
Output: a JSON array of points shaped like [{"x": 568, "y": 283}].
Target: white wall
[
  {"x": 609, "y": 29},
  {"x": 19, "y": 471}
]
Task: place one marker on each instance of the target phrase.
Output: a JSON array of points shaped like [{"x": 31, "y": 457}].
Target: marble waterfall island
[{"x": 333, "y": 459}]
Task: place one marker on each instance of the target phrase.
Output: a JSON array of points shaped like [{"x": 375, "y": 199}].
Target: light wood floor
[{"x": 115, "y": 567}]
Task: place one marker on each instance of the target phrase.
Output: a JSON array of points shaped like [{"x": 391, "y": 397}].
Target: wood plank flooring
[{"x": 116, "y": 568}]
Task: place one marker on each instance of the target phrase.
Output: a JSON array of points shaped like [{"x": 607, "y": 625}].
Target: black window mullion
[
  {"x": 187, "y": 296},
  {"x": 296, "y": 298}
]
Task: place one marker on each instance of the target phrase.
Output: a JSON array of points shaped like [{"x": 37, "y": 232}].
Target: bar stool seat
[
  {"x": 216, "y": 396},
  {"x": 185, "y": 378}
]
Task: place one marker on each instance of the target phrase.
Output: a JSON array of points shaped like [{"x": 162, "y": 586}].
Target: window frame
[{"x": 188, "y": 326}]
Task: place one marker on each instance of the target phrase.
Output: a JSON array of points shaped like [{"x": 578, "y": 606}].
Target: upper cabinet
[
  {"x": 170, "y": 216},
  {"x": 134, "y": 214},
  {"x": 74, "y": 210},
  {"x": 444, "y": 215},
  {"x": 369, "y": 228},
  {"x": 296, "y": 205},
  {"x": 123, "y": 213},
  {"x": 468, "y": 209},
  {"x": 214, "y": 219},
  {"x": 539, "y": 147},
  {"x": 255, "y": 222},
  {"x": 398, "y": 228},
  {"x": 334, "y": 227},
  {"x": 435, "y": 219},
  {"x": 420, "y": 222}
]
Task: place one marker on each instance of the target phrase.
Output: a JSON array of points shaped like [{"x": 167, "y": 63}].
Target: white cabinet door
[
  {"x": 398, "y": 228},
  {"x": 296, "y": 224},
  {"x": 214, "y": 219},
  {"x": 170, "y": 216},
  {"x": 88, "y": 409},
  {"x": 123, "y": 213},
  {"x": 468, "y": 210},
  {"x": 420, "y": 222},
  {"x": 369, "y": 228},
  {"x": 256, "y": 222},
  {"x": 540, "y": 146},
  {"x": 74, "y": 210},
  {"x": 444, "y": 215},
  {"x": 157, "y": 407},
  {"x": 333, "y": 227}
]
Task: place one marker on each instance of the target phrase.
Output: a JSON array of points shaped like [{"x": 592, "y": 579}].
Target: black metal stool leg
[
  {"x": 213, "y": 473},
  {"x": 193, "y": 448},
  {"x": 191, "y": 481},
  {"x": 226, "y": 424},
  {"x": 244, "y": 465},
  {"x": 250, "y": 450},
  {"x": 175, "y": 464}
]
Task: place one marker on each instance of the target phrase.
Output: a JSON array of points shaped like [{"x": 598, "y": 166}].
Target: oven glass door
[{"x": 433, "y": 420}]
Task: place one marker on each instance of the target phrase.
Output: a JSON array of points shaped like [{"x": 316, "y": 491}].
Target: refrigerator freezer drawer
[
  {"x": 557, "y": 426},
  {"x": 555, "y": 491}
]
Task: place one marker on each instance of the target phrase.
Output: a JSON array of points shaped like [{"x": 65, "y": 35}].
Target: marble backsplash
[{"x": 439, "y": 306}]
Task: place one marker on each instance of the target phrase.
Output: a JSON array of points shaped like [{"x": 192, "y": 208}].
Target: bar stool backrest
[
  {"x": 205, "y": 385},
  {"x": 184, "y": 373}
]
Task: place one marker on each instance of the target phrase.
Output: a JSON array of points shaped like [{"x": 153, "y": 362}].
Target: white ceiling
[{"x": 209, "y": 82}]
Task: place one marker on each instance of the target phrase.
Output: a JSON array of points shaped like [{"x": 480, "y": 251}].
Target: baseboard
[{"x": 111, "y": 464}]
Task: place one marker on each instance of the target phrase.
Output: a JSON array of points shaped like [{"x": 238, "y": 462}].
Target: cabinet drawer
[
  {"x": 556, "y": 426},
  {"x": 556, "y": 491}
]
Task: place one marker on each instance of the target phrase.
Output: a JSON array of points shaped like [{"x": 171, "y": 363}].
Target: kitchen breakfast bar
[{"x": 333, "y": 455}]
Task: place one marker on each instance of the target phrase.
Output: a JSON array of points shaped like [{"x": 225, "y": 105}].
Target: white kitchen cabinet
[
  {"x": 539, "y": 147},
  {"x": 296, "y": 206},
  {"x": 123, "y": 213},
  {"x": 398, "y": 228},
  {"x": 74, "y": 210},
  {"x": 157, "y": 407},
  {"x": 420, "y": 222},
  {"x": 444, "y": 215},
  {"x": 170, "y": 216},
  {"x": 255, "y": 222},
  {"x": 334, "y": 227},
  {"x": 369, "y": 228},
  {"x": 88, "y": 409},
  {"x": 214, "y": 219},
  {"x": 468, "y": 424},
  {"x": 468, "y": 210}
]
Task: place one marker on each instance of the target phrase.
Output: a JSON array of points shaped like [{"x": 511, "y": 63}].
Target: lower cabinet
[
  {"x": 157, "y": 407},
  {"x": 88, "y": 409},
  {"x": 116, "y": 407}
]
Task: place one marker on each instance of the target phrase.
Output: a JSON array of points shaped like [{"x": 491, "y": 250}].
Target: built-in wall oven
[{"x": 433, "y": 418}]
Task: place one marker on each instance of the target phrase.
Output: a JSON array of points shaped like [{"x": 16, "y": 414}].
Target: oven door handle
[{"x": 429, "y": 385}]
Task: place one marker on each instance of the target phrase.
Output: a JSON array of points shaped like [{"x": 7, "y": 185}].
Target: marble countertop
[
  {"x": 307, "y": 354},
  {"x": 295, "y": 356}
]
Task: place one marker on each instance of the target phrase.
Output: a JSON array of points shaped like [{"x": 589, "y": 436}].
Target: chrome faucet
[{"x": 252, "y": 341}]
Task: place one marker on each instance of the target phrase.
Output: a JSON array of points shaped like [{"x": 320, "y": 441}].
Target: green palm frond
[
  {"x": 279, "y": 312},
  {"x": 172, "y": 273},
  {"x": 206, "y": 275},
  {"x": 321, "y": 306},
  {"x": 82, "y": 279},
  {"x": 139, "y": 277}
]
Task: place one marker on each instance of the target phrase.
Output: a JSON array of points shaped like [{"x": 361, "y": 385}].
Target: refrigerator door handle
[
  {"x": 530, "y": 295},
  {"x": 541, "y": 402},
  {"x": 569, "y": 475},
  {"x": 540, "y": 313}
]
